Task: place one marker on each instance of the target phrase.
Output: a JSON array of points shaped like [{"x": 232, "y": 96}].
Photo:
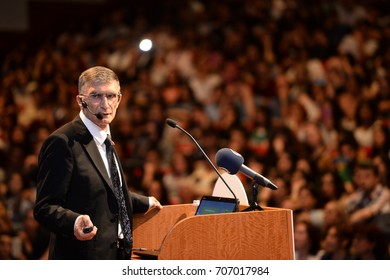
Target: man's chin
[{"x": 106, "y": 120}]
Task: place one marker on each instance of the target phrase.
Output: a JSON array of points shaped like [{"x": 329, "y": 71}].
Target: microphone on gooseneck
[
  {"x": 97, "y": 115},
  {"x": 173, "y": 124},
  {"x": 233, "y": 162}
]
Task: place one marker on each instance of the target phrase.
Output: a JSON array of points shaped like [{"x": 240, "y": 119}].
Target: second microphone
[{"x": 233, "y": 162}]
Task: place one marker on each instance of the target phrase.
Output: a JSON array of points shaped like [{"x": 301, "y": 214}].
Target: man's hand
[
  {"x": 81, "y": 223},
  {"x": 153, "y": 202}
]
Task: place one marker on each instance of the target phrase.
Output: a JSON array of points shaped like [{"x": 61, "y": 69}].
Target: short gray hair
[{"x": 96, "y": 76}]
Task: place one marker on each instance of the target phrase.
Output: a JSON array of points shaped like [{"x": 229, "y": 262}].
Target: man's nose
[{"x": 104, "y": 101}]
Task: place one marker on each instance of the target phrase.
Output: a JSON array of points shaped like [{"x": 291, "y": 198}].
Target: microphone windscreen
[
  {"x": 99, "y": 116},
  {"x": 171, "y": 123},
  {"x": 229, "y": 160}
]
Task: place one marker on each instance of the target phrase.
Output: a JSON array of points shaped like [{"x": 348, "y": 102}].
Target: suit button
[{"x": 114, "y": 219}]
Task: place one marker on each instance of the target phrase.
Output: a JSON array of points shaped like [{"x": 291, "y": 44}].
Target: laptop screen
[{"x": 216, "y": 205}]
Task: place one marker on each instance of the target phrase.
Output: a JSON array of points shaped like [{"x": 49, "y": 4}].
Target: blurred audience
[
  {"x": 336, "y": 243},
  {"x": 307, "y": 239},
  {"x": 301, "y": 90},
  {"x": 369, "y": 243}
]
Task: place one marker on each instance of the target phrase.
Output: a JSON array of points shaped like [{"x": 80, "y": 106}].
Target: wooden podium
[{"x": 177, "y": 234}]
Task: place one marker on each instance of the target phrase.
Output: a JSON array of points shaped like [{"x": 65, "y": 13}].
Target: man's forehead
[{"x": 102, "y": 87}]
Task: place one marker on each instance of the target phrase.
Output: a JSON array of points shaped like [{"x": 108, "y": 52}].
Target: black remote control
[{"x": 87, "y": 229}]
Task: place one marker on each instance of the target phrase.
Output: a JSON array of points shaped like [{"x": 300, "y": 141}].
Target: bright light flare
[{"x": 145, "y": 45}]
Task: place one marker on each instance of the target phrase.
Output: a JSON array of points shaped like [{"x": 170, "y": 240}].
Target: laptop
[{"x": 216, "y": 205}]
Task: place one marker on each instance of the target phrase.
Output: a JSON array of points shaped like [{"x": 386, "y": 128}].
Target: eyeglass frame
[{"x": 97, "y": 97}]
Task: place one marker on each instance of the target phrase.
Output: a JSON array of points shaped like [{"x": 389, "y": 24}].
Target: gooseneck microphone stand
[{"x": 253, "y": 206}]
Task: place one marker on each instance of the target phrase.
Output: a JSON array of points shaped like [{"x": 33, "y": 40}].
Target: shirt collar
[{"x": 98, "y": 134}]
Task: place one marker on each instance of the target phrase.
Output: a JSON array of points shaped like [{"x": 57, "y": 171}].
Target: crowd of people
[{"x": 299, "y": 88}]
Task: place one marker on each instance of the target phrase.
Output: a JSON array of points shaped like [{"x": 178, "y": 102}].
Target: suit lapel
[
  {"x": 89, "y": 144},
  {"x": 97, "y": 161}
]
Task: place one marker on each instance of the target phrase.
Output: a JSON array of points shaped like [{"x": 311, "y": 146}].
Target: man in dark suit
[{"x": 76, "y": 190}]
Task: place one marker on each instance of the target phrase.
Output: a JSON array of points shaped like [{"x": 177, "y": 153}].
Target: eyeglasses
[{"x": 96, "y": 97}]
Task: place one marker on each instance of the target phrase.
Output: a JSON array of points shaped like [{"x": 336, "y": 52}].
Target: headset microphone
[{"x": 85, "y": 105}]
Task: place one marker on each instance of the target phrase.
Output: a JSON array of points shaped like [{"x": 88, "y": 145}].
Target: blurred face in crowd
[
  {"x": 333, "y": 213},
  {"x": 301, "y": 237},
  {"x": 306, "y": 199},
  {"x": 15, "y": 183},
  {"x": 332, "y": 241},
  {"x": 365, "y": 179},
  {"x": 362, "y": 246},
  {"x": 327, "y": 185},
  {"x": 5, "y": 247}
]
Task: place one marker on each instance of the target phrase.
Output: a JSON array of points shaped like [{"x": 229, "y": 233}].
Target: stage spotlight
[{"x": 145, "y": 45}]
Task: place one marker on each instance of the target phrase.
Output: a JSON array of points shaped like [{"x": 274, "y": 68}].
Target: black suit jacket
[{"x": 72, "y": 180}]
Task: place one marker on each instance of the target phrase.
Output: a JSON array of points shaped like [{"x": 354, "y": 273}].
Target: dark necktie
[{"x": 123, "y": 216}]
